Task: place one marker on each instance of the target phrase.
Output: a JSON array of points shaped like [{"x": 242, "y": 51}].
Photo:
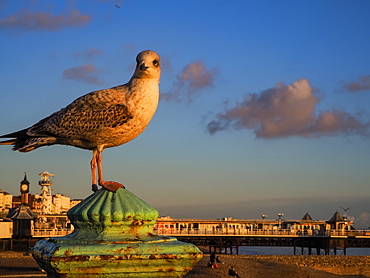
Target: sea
[{"x": 268, "y": 250}]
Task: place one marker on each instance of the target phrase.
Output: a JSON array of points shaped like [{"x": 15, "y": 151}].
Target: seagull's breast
[{"x": 142, "y": 102}]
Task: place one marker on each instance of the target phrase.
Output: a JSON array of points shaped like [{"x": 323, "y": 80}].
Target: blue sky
[{"x": 264, "y": 104}]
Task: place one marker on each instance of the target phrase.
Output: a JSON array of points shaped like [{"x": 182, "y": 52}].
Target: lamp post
[
  {"x": 280, "y": 215},
  {"x": 263, "y": 218}
]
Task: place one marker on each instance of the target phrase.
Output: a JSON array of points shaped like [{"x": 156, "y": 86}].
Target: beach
[
  {"x": 252, "y": 266},
  {"x": 18, "y": 264}
]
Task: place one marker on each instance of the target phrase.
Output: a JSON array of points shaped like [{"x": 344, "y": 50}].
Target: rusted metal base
[
  {"x": 114, "y": 238},
  {"x": 164, "y": 257}
]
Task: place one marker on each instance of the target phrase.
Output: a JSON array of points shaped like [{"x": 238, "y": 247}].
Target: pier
[
  {"x": 225, "y": 236},
  {"x": 306, "y": 236}
]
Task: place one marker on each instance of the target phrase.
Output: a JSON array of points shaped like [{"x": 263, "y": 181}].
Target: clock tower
[{"x": 25, "y": 188}]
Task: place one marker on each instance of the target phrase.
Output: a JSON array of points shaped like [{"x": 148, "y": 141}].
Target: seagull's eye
[{"x": 156, "y": 63}]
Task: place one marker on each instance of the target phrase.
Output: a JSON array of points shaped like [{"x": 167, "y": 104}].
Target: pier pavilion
[
  {"x": 305, "y": 226},
  {"x": 307, "y": 236}
]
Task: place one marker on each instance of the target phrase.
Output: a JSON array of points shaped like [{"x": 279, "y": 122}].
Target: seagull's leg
[
  {"x": 94, "y": 185},
  {"x": 108, "y": 185}
]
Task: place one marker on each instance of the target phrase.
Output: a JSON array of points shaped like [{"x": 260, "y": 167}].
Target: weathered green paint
[{"x": 114, "y": 237}]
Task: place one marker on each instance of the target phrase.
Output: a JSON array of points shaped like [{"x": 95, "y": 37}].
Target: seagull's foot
[
  {"x": 111, "y": 185},
  {"x": 94, "y": 187}
]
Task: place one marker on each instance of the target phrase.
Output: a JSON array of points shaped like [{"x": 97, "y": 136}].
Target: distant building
[
  {"x": 44, "y": 203},
  {"x": 5, "y": 201},
  {"x": 75, "y": 202},
  {"x": 22, "y": 218},
  {"x": 16, "y": 201},
  {"x": 61, "y": 203},
  {"x": 35, "y": 203},
  {"x": 47, "y": 199}
]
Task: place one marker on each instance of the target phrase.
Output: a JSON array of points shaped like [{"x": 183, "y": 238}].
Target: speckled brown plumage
[{"x": 100, "y": 119}]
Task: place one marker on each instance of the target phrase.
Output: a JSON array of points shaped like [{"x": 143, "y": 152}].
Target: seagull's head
[{"x": 147, "y": 65}]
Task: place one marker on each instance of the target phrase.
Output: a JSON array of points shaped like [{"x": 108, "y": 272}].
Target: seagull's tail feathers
[
  {"x": 23, "y": 143},
  {"x": 8, "y": 142},
  {"x": 33, "y": 143},
  {"x": 18, "y": 134}
]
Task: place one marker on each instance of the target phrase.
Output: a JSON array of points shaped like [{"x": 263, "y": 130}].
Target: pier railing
[
  {"x": 228, "y": 232},
  {"x": 50, "y": 232},
  {"x": 260, "y": 233}
]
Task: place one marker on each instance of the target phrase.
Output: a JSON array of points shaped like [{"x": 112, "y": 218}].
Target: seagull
[
  {"x": 345, "y": 209},
  {"x": 100, "y": 119},
  {"x": 118, "y": 6}
]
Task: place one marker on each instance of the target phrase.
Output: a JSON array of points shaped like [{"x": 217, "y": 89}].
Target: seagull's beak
[{"x": 143, "y": 67}]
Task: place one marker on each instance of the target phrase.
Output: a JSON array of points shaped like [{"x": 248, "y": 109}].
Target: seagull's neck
[
  {"x": 143, "y": 85},
  {"x": 143, "y": 90}
]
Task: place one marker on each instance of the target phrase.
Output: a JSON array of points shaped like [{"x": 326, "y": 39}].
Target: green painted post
[{"x": 114, "y": 237}]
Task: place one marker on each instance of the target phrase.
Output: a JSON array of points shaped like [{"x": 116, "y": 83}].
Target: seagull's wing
[
  {"x": 345, "y": 209},
  {"x": 99, "y": 109},
  {"x": 78, "y": 121}
]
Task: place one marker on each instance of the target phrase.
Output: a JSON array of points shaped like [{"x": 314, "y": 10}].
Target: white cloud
[
  {"x": 27, "y": 21},
  {"x": 88, "y": 53},
  {"x": 85, "y": 73},
  {"x": 363, "y": 84},
  {"x": 287, "y": 110},
  {"x": 190, "y": 83}
]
